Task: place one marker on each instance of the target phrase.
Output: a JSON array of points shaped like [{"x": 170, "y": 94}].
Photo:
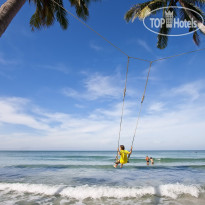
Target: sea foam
[{"x": 96, "y": 192}]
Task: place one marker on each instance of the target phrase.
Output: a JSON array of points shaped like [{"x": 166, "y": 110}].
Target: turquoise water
[{"x": 177, "y": 177}]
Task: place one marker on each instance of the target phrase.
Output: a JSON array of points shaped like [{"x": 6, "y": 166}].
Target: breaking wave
[{"x": 95, "y": 192}]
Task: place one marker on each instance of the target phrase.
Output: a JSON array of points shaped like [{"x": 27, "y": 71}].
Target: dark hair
[{"x": 122, "y": 147}]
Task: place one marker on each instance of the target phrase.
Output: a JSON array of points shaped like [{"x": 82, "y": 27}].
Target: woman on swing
[{"x": 123, "y": 156}]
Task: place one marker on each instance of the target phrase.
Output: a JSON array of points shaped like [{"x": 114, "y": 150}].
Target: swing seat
[{"x": 117, "y": 161}]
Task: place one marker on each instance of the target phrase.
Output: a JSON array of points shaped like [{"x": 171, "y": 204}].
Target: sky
[{"x": 63, "y": 90}]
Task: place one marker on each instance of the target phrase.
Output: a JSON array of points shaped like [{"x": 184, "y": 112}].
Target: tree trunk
[
  {"x": 8, "y": 11},
  {"x": 200, "y": 25}
]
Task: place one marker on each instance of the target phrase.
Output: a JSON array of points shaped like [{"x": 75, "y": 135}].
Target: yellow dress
[{"x": 123, "y": 156}]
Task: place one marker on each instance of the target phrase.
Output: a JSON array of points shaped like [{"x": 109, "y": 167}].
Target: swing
[{"x": 138, "y": 117}]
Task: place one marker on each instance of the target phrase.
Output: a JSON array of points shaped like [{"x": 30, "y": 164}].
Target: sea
[{"x": 88, "y": 177}]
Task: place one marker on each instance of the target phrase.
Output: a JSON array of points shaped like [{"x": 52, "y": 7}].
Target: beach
[{"x": 88, "y": 177}]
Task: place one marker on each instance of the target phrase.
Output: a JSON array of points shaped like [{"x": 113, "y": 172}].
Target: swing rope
[
  {"x": 143, "y": 97},
  {"x": 123, "y": 101}
]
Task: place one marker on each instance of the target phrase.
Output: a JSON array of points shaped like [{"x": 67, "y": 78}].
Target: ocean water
[{"x": 42, "y": 177}]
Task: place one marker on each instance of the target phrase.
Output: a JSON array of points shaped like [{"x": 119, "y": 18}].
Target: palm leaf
[
  {"x": 61, "y": 15},
  {"x": 35, "y": 21},
  {"x": 47, "y": 11},
  {"x": 199, "y": 3},
  {"x": 81, "y": 8},
  {"x": 183, "y": 15},
  {"x": 143, "y": 10},
  {"x": 197, "y": 10},
  {"x": 43, "y": 16},
  {"x": 134, "y": 11},
  {"x": 162, "y": 41},
  {"x": 196, "y": 38}
]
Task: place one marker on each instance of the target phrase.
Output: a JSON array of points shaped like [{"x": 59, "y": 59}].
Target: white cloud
[
  {"x": 156, "y": 107},
  {"x": 70, "y": 92},
  {"x": 6, "y": 62},
  {"x": 81, "y": 106},
  {"x": 95, "y": 46},
  {"x": 97, "y": 86},
  {"x": 58, "y": 67},
  {"x": 12, "y": 111},
  {"x": 189, "y": 90},
  {"x": 144, "y": 45},
  {"x": 181, "y": 127}
]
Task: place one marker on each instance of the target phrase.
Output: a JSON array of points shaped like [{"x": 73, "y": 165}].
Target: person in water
[
  {"x": 152, "y": 160},
  {"x": 147, "y": 159},
  {"x": 123, "y": 156}
]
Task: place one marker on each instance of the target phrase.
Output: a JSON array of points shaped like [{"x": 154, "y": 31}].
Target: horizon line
[{"x": 18, "y": 150}]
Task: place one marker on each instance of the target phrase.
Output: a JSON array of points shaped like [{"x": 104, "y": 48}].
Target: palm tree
[
  {"x": 47, "y": 11},
  {"x": 143, "y": 10}
]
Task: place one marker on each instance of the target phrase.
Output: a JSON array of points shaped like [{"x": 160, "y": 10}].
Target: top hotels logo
[{"x": 171, "y": 22}]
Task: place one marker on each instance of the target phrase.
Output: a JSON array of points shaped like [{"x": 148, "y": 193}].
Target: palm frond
[
  {"x": 162, "y": 41},
  {"x": 135, "y": 10},
  {"x": 183, "y": 15},
  {"x": 81, "y": 8},
  {"x": 155, "y": 6},
  {"x": 143, "y": 10},
  {"x": 44, "y": 14},
  {"x": 196, "y": 38},
  {"x": 197, "y": 11},
  {"x": 47, "y": 12},
  {"x": 61, "y": 15},
  {"x": 35, "y": 21},
  {"x": 199, "y": 3}
]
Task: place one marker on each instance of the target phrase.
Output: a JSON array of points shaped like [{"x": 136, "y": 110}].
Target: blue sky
[{"x": 62, "y": 90}]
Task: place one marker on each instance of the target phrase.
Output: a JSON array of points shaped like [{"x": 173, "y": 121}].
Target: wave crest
[{"x": 96, "y": 192}]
